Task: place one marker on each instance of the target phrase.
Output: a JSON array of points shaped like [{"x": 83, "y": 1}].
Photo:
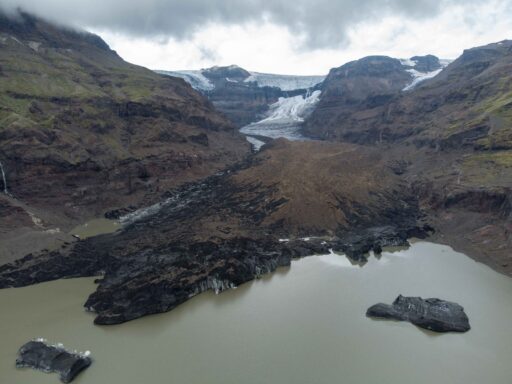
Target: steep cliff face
[
  {"x": 359, "y": 90},
  {"x": 245, "y": 96},
  {"x": 83, "y": 131}
]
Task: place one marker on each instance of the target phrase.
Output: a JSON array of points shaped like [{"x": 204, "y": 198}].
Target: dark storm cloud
[{"x": 319, "y": 24}]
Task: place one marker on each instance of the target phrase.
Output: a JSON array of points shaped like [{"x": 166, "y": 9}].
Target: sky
[{"x": 279, "y": 36}]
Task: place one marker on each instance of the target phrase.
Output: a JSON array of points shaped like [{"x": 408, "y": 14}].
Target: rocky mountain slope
[
  {"x": 245, "y": 96},
  {"x": 358, "y": 90},
  {"x": 82, "y": 131},
  {"x": 466, "y": 104}
]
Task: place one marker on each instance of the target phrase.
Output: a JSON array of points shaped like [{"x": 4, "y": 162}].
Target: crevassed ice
[
  {"x": 294, "y": 108},
  {"x": 285, "y": 117}
]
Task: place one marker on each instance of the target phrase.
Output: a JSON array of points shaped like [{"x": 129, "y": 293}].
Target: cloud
[{"x": 314, "y": 24}]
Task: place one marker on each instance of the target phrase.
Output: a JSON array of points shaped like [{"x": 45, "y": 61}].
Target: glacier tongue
[
  {"x": 419, "y": 77},
  {"x": 284, "y": 118}
]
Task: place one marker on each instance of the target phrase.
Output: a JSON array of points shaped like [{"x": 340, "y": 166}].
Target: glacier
[
  {"x": 419, "y": 77},
  {"x": 284, "y": 82},
  {"x": 284, "y": 118}
]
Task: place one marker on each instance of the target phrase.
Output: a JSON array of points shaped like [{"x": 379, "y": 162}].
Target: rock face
[
  {"x": 354, "y": 92},
  {"x": 432, "y": 314},
  {"x": 38, "y": 355}
]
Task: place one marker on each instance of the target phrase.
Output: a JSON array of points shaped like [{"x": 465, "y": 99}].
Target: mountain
[
  {"x": 245, "y": 96},
  {"x": 465, "y": 104},
  {"x": 451, "y": 135},
  {"x": 354, "y": 91},
  {"x": 82, "y": 131}
]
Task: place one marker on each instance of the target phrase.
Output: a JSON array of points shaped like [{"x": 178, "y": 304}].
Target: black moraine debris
[
  {"x": 47, "y": 358},
  {"x": 224, "y": 230},
  {"x": 432, "y": 314}
]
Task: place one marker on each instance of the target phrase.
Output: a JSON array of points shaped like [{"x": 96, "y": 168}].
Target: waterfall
[{"x": 4, "y": 179}]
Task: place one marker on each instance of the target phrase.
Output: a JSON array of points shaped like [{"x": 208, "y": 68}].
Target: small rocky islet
[
  {"x": 40, "y": 355},
  {"x": 432, "y": 314}
]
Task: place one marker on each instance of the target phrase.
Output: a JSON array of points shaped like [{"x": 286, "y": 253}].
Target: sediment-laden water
[
  {"x": 304, "y": 324},
  {"x": 95, "y": 227}
]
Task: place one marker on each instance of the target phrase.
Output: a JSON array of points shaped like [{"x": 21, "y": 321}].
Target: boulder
[
  {"x": 432, "y": 314},
  {"x": 48, "y": 358}
]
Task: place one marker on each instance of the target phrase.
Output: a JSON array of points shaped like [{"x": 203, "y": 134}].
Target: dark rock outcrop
[
  {"x": 427, "y": 63},
  {"x": 351, "y": 91},
  {"x": 432, "y": 314},
  {"x": 47, "y": 358}
]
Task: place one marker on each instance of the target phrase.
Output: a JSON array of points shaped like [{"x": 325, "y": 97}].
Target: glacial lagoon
[{"x": 304, "y": 324}]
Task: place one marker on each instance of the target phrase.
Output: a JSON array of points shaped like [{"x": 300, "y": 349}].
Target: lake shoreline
[{"x": 316, "y": 305}]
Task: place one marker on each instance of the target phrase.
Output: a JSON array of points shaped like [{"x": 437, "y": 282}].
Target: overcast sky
[{"x": 279, "y": 36}]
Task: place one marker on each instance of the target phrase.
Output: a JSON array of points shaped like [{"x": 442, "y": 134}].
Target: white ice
[
  {"x": 419, "y": 77},
  {"x": 284, "y": 118},
  {"x": 284, "y": 82}
]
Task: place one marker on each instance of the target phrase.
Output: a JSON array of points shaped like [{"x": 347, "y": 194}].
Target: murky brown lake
[
  {"x": 95, "y": 227},
  {"x": 301, "y": 325}
]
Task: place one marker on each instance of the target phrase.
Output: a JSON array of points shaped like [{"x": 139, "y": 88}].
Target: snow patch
[
  {"x": 256, "y": 144},
  {"x": 36, "y": 220},
  {"x": 15, "y": 39},
  {"x": 195, "y": 78},
  {"x": 34, "y": 45},
  {"x": 419, "y": 77}
]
